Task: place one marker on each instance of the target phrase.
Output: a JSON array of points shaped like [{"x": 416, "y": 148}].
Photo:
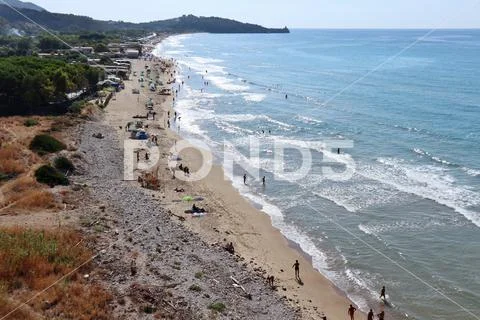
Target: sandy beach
[{"x": 230, "y": 218}]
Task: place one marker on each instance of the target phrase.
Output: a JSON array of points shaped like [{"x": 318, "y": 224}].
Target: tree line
[{"x": 34, "y": 81}]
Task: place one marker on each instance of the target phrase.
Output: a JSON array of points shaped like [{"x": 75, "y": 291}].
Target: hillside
[
  {"x": 73, "y": 23},
  {"x": 23, "y": 5}
]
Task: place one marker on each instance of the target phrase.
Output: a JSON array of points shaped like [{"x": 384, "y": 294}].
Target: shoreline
[{"x": 222, "y": 189}]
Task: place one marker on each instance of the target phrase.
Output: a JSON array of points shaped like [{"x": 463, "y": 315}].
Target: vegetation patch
[
  {"x": 217, "y": 306},
  {"x": 45, "y": 143},
  {"x": 195, "y": 287},
  {"x": 77, "y": 106},
  {"x": 49, "y": 175},
  {"x": 30, "y": 122},
  {"x": 31, "y": 261},
  {"x": 11, "y": 159},
  {"x": 63, "y": 164}
]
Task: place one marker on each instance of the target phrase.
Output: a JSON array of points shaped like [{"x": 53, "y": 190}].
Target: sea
[{"x": 380, "y": 176}]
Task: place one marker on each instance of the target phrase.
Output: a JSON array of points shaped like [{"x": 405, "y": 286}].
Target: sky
[{"x": 291, "y": 13}]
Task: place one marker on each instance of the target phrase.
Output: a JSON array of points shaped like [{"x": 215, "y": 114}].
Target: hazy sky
[{"x": 293, "y": 13}]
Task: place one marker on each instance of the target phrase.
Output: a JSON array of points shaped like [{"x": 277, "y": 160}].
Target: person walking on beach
[
  {"x": 245, "y": 178},
  {"x": 370, "y": 315},
  {"x": 351, "y": 312},
  {"x": 296, "y": 265},
  {"x": 263, "y": 180},
  {"x": 382, "y": 293},
  {"x": 381, "y": 315}
]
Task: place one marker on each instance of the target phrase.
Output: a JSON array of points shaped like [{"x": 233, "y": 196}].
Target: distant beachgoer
[
  {"x": 245, "y": 178},
  {"x": 338, "y": 151},
  {"x": 263, "y": 180},
  {"x": 286, "y": 96},
  {"x": 229, "y": 247},
  {"x": 381, "y": 315},
  {"x": 168, "y": 123},
  {"x": 351, "y": 312},
  {"x": 168, "y": 114},
  {"x": 147, "y": 156},
  {"x": 271, "y": 281},
  {"x": 382, "y": 293},
  {"x": 138, "y": 155},
  {"x": 370, "y": 315},
  {"x": 296, "y": 265}
]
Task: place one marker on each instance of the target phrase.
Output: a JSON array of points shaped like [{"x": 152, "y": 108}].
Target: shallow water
[{"x": 409, "y": 216}]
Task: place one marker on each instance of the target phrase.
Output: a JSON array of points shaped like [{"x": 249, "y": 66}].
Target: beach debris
[
  {"x": 98, "y": 135},
  {"x": 238, "y": 285},
  {"x": 187, "y": 198}
]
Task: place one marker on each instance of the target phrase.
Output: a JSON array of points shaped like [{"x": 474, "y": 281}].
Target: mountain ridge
[
  {"x": 61, "y": 22},
  {"x": 23, "y": 5}
]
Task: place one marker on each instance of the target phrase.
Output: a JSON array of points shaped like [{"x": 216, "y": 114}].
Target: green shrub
[
  {"x": 44, "y": 143},
  {"x": 149, "y": 309},
  {"x": 30, "y": 122},
  {"x": 48, "y": 175},
  {"x": 195, "y": 287},
  {"x": 77, "y": 106},
  {"x": 199, "y": 275},
  {"x": 217, "y": 306},
  {"x": 63, "y": 164}
]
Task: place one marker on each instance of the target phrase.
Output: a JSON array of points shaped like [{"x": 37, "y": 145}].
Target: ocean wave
[
  {"x": 226, "y": 84},
  {"x": 246, "y": 117},
  {"x": 428, "y": 182},
  {"x": 308, "y": 120},
  {"x": 471, "y": 172},
  {"x": 254, "y": 97},
  {"x": 424, "y": 153}
]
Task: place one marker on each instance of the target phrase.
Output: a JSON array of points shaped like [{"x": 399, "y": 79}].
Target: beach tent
[{"x": 141, "y": 135}]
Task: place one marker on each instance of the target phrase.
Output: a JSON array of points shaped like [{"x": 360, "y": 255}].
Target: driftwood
[{"x": 238, "y": 285}]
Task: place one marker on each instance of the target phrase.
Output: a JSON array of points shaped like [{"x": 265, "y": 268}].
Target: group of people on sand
[
  {"x": 185, "y": 169},
  {"x": 351, "y": 309},
  {"x": 370, "y": 315}
]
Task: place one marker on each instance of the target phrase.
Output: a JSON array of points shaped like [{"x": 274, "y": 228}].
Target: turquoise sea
[{"x": 409, "y": 215}]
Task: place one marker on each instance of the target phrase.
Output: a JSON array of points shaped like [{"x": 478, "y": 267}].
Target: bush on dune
[
  {"x": 49, "y": 175},
  {"x": 64, "y": 164},
  {"x": 30, "y": 122},
  {"x": 44, "y": 143}
]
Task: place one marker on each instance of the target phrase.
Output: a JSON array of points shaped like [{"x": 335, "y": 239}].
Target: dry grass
[
  {"x": 13, "y": 160},
  {"x": 36, "y": 199},
  {"x": 25, "y": 193},
  {"x": 30, "y": 261}
]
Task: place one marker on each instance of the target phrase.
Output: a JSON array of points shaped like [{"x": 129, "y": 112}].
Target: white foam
[
  {"x": 308, "y": 120},
  {"x": 247, "y": 117},
  {"x": 254, "y": 97},
  {"x": 226, "y": 83},
  {"x": 428, "y": 182},
  {"x": 471, "y": 172}
]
